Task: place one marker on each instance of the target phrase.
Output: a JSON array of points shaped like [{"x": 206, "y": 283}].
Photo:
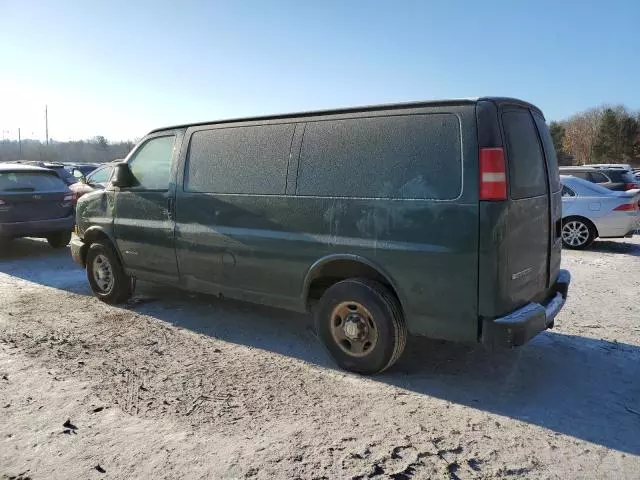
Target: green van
[{"x": 440, "y": 219}]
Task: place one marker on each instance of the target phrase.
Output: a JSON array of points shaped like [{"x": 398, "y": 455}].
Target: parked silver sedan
[{"x": 590, "y": 211}]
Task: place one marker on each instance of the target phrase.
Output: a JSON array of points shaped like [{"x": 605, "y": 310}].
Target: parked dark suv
[
  {"x": 34, "y": 202},
  {"x": 613, "y": 178},
  {"x": 440, "y": 219}
]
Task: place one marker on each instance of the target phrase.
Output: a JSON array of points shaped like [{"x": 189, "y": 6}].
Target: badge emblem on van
[{"x": 522, "y": 273}]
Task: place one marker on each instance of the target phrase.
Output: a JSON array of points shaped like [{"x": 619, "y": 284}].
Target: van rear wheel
[
  {"x": 107, "y": 278},
  {"x": 361, "y": 324}
]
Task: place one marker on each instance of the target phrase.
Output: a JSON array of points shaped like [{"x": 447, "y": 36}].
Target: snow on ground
[{"x": 180, "y": 385}]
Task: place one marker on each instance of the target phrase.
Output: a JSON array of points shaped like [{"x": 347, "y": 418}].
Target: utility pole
[
  {"x": 19, "y": 143},
  {"x": 46, "y": 124}
]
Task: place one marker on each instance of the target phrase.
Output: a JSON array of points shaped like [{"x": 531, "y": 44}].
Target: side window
[
  {"x": 102, "y": 175},
  {"x": 527, "y": 177},
  {"x": 567, "y": 192},
  {"x": 597, "y": 177},
  {"x": 151, "y": 164},
  {"x": 549, "y": 152},
  {"x": 239, "y": 160},
  {"x": 402, "y": 156}
]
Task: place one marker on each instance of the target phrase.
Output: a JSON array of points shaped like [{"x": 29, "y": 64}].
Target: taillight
[
  {"x": 2, "y": 202},
  {"x": 493, "y": 176},
  {"x": 627, "y": 207},
  {"x": 631, "y": 186}
]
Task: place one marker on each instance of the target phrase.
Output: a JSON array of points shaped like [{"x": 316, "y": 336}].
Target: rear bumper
[
  {"x": 521, "y": 325},
  {"x": 36, "y": 227},
  {"x": 620, "y": 225},
  {"x": 78, "y": 251}
]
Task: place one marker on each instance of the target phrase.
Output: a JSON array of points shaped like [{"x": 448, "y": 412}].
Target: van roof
[{"x": 368, "y": 108}]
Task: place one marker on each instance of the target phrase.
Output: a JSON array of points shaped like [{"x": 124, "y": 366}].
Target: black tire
[
  {"x": 117, "y": 287},
  {"x": 59, "y": 239},
  {"x": 386, "y": 321},
  {"x": 578, "y": 224}
]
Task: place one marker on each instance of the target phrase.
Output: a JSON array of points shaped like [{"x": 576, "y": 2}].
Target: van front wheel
[
  {"x": 361, "y": 324},
  {"x": 107, "y": 278}
]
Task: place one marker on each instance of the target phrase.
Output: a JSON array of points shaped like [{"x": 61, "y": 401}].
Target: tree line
[
  {"x": 606, "y": 134},
  {"x": 95, "y": 150}
]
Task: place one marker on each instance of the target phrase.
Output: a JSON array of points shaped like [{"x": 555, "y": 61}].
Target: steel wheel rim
[
  {"x": 103, "y": 273},
  {"x": 353, "y": 328},
  {"x": 575, "y": 233}
]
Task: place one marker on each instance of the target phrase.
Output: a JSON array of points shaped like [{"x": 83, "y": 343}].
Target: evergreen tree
[{"x": 617, "y": 136}]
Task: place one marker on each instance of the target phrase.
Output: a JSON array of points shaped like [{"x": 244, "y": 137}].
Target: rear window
[
  {"x": 526, "y": 163},
  {"x": 549, "y": 152},
  {"x": 30, "y": 182},
  {"x": 597, "y": 177},
  {"x": 620, "y": 176},
  {"x": 582, "y": 175},
  {"x": 403, "y": 156},
  {"x": 250, "y": 160}
]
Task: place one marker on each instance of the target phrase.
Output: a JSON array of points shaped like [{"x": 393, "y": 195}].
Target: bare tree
[{"x": 581, "y": 131}]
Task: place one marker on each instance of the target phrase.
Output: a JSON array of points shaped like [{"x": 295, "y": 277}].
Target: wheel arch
[
  {"x": 336, "y": 267},
  {"x": 94, "y": 234}
]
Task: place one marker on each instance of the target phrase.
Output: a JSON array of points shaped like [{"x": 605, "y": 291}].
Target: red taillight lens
[
  {"x": 631, "y": 186},
  {"x": 626, "y": 207},
  {"x": 493, "y": 176}
]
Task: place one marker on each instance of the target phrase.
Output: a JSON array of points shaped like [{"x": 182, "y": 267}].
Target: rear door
[
  {"x": 555, "y": 197},
  {"x": 31, "y": 196},
  {"x": 529, "y": 226}
]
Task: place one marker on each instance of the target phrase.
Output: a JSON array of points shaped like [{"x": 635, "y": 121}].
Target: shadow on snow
[{"x": 578, "y": 386}]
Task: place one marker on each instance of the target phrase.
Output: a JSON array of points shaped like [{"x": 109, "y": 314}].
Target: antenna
[{"x": 46, "y": 123}]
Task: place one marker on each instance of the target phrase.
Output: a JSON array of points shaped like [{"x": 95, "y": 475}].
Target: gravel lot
[{"x": 180, "y": 385}]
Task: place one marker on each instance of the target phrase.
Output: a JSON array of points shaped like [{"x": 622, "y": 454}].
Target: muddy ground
[{"x": 175, "y": 385}]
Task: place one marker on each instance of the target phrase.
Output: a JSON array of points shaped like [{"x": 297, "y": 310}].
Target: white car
[{"x": 590, "y": 211}]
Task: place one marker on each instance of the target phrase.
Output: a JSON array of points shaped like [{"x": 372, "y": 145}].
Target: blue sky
[{"x": 120, "y": 68}]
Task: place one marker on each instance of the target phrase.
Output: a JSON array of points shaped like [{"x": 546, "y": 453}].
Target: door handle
[{"x": 170, "y": 207}]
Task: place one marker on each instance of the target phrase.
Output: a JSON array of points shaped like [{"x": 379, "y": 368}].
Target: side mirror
[
  {"x": 79, "y": 175},
  {"x": 123, "y": 177}
]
